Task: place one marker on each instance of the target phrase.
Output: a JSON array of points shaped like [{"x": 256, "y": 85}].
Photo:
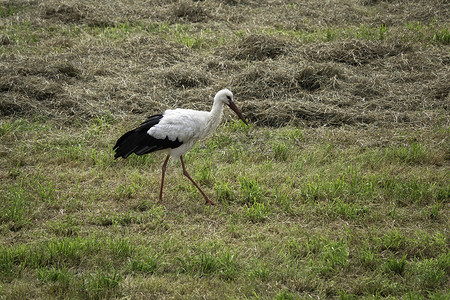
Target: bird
[{"x": 175, "y": 132}]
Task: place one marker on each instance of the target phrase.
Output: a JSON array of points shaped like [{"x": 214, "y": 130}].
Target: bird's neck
[{"x": 215, "y": 116}]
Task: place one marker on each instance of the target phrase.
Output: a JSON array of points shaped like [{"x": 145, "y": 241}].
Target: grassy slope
[{"x": 358, "y": 208}]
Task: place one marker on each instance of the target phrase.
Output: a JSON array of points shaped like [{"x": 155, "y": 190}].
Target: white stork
[{"x": 175, "y": 132}]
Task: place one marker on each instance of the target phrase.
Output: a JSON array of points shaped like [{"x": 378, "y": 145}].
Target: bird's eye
[{"x": 229, "y": 98}]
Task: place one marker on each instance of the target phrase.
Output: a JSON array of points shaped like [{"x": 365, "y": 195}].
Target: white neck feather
[{"x": 215, "y": 116}]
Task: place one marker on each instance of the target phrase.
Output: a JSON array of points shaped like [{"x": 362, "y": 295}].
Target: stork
[{"x": 175, "y": 132}]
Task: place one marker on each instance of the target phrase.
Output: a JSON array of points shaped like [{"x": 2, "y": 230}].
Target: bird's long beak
[{"x": 237, "y": 111}]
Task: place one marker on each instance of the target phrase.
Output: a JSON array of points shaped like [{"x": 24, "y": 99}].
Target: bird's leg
[
  {"x": 185, "y": 173},
  {"x": 162, "y": 176}
]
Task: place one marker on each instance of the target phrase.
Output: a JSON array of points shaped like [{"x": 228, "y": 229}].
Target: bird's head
[{"x": 225, "y": 96}]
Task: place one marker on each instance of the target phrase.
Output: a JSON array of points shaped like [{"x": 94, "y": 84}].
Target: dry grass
[
  {"x": 257, "y": 47},
  {"x": 355, "y": 52},
  {"x": 115, "y": 58}
]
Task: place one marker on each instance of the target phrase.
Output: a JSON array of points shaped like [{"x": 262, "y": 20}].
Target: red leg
[
  {"x": 162, "y": 178},
  {"x": 185, "y": 173}
]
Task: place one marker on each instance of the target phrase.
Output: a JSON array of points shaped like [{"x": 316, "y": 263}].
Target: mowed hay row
[
  {"x": 74, "y": 59},
  {"x": 283, "y": 13}
]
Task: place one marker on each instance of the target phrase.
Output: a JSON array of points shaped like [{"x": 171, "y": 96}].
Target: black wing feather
[{"x": 138, "y": 141}]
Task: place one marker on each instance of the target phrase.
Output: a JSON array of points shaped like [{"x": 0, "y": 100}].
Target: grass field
[{"x": 338, "y": 189}]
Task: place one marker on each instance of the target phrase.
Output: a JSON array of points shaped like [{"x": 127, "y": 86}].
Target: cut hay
[
  {"x": 181, "y": 76},
  {"x": 72, "y": 60},
  {"x": 188, "y": 12},
  {"x": 258, "y": 47},
  {"x": 355, "y": 52},
  {"x": 301, "y": 112},
  {"x": 285, "y": 79}
]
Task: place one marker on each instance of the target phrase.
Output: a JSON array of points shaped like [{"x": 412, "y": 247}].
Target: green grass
[
  {"x": 207, "y": 264},
  {"x": 25, "y": 34},
  {"x": 9, "y": 10},
  {"x": 95, "y": 226},
  {"x": 184, "y": 34},
  {"x": 417, "y": 32}
]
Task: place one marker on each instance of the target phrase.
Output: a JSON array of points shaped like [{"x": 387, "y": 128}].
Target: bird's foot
[{"x": 210, "y": 202}]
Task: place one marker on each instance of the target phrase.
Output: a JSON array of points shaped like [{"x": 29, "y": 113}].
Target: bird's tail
[{"x": 138, "y": 140}]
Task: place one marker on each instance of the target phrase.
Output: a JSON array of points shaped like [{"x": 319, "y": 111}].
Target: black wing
[{"x": 138, "y": 141}]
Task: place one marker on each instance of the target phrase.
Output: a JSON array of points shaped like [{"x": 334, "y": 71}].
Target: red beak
[{"x": 237, "y": 111}]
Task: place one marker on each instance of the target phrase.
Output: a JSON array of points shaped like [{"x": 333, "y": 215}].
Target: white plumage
[
  {"x": 175, "y": 132},
  {"x": 186, "y": 125}
]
